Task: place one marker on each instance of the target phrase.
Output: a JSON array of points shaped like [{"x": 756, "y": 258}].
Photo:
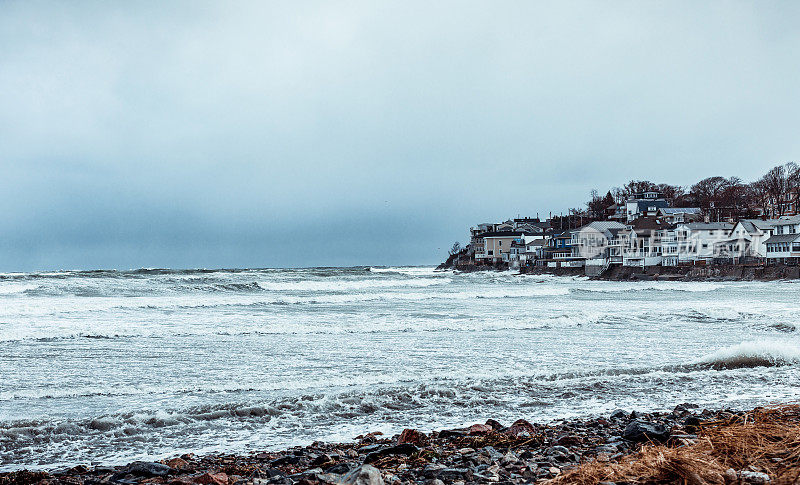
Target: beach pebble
[
  {"x": 640, "y": 431},
  {"x": 212, "y": 479},
  {"x": 363, "y": 475},
  {"x": 755, "y": 478},
  {"x": 148, "y": 469}
]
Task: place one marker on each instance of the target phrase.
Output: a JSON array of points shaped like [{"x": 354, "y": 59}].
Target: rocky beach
[
  {"x": 233, "y": 365},
  {"x": 758, "y": 446}
]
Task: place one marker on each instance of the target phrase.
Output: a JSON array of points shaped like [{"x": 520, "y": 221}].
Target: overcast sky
[{"x": 237, "y": 134}]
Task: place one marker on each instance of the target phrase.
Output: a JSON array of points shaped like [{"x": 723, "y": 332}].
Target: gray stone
[
  {"x": 148, "y": 469},
  {"x": 755, "y": 478},
  {"x": 640, "y": 431},
  {"x": 363, "y": 475}
]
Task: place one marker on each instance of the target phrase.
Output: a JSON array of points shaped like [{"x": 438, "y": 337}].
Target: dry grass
[{"x": 765, "y": 439}]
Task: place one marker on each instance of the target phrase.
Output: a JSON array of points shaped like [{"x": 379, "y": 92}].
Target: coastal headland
[{"x": 686, "y": 445}]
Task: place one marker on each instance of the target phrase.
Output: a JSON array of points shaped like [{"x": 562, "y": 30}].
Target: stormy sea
[{"x": 113, "y": 366}]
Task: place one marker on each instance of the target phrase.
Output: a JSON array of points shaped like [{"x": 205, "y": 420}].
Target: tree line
[{"x": 719, "y": 197}]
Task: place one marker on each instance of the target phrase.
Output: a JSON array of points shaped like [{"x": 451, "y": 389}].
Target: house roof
[
  {"x": 787, "y": 220},
  {"x": 608, "y": 228},
  {"x": 708, "y": 225},
  {"x": 533, "y": 222},
  {"x": 505, "y": 234},
  {"x": 645, "y": 205},
  {"x": 535, "y": 242},
  {"x": 649, "y": 223},
  {"x": 757, "y": 225},
  {"x": 783, "y": 238},
  {"x": 679, "y": 210}
]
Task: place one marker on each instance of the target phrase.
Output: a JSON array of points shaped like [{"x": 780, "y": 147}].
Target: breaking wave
[
  {"x": 758, "y": 353},
  {"x": 659, "y": 286}
]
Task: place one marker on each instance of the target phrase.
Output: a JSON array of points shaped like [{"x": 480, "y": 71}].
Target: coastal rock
[
  {"x": 640, "y": 431},
  {"x": 754, "y": 478},
  {"x": 404, "y": 449},
  {"x": 411, "y": 436},
  {"x": 480, "y": 429},
  {"x": 339, "y": 468},
  {"x": 521, "y": 429},
  {"x": 569, "y": 440},
  {"x": 619, "y": 414},
  {"x": 212, "y": 479},
  {"x": 450, "y": 474},
  {"x": 177, "y": 463},
  {"x": 148, "y": 469},
  {"x": 495, "y": 425},
  {"x": 363, "y": 475}
]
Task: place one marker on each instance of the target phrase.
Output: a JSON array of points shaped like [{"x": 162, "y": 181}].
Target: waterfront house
[
  {"x": 497, "y": 245},
  {"x": 693, "y": 242},
  {"x": 641, "y": 242},
  {"x": 591, "y": 242},
  {"x": 784, "y": 244},
  {"x": 747, "y": 240},
  {"x": 558, "y": 250}
]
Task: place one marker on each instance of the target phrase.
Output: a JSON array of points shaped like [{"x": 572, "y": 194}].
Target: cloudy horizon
[{"x": 260, "y": 134}]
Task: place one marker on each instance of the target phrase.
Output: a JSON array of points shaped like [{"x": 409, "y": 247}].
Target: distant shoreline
[{"x": 659, "y": 273}]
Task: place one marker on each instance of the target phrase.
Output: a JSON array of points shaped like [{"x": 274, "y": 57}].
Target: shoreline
[
  {"x": 490, "y": 452},
  {"x": 714, "y": 273}
]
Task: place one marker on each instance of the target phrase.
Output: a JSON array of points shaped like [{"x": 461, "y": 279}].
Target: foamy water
[{"x": 110, "y": 366}]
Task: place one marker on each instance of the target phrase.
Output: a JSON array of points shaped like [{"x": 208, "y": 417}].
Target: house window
[{"x": 491, "y": 252}]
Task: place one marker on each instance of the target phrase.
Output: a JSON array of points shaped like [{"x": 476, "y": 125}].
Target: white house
[
  {"x": 693, "y": 242},
  {"x": 784, "y": 245},
  {"x": 747, "y": 239},
  {"x": 641, "y": 242},
  {"x": 591, "y": 242}
]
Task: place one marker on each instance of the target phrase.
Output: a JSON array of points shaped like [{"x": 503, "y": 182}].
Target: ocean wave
[
  {"x": 350, "y": 285},
  {"x": 655, "y": 286},
  {"x": 16, "y": 288},
  {"x": 409, "y": 270},
  {"x": 757, "y": 353},
  {"x": 786, "y": 326}
]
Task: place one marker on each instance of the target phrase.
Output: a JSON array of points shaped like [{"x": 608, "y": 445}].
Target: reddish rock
[
  {"x": 212, "y": 479},
  {"x": 521, "y": 429},
  {"x": 411, "y": 436},
  {"x": 181, "y": 481},
  {"x": 177, "y": 463},
  {"x": 479, "y": 429},
  {"x": 569, "y": 440},
  {"x": 495, "y": 425}
]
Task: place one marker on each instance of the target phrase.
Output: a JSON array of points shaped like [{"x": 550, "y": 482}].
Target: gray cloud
[{"x": 265, "y": 134}]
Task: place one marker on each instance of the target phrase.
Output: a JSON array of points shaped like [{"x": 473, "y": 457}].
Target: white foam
[
  {"x": 754, "y": 353},
  {"x": 14, "y": 288},
  {"x": 340, "y": 285},
  {"x": 619, "y": 287}
]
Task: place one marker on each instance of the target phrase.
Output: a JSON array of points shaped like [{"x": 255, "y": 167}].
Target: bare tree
[
  {"x": 456, "y": 248},
  {"x": 672, "y": 193},
  {"x": 708, "y": 193},
  {"x": 637, "y": 187},
  {"x": 759, "y": 194},
  {"x": 597, "y": 206},
  {"x": 781, "y": 184}
]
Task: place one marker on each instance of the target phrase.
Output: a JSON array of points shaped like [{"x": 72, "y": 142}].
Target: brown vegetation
[{"x": 765, "y": 440}]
